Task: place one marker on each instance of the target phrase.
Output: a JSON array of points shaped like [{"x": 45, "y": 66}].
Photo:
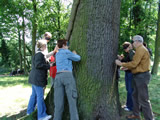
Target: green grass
[
  {"x": 15, "y": 92},
  {"x": 154, "y": 93}
]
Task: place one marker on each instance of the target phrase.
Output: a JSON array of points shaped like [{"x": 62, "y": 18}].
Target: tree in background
[
  {"x": 138, "y": 17},
  {"x": 4, "y": 52},
  {"x": 157, "y": 46},
  {"x": 23, "y": 20}
]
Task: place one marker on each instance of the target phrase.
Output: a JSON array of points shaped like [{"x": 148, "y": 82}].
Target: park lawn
[
  {"x": 154, "y": 93},
  {"x": 15, "y": 92}
]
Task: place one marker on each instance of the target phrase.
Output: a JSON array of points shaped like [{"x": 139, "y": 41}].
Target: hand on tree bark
[
  {"x": 118, "y": 62},
  {"x": 74, "y": 52}
]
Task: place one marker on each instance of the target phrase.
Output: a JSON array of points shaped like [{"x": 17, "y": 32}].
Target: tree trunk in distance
[{"x": 157, "y": 46}]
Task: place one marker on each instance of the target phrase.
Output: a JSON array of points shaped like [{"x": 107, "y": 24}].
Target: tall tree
[
  {"x": 95, "y": 36},
  {"x": 157, "y": 45},
  {"x": 34, "y": 26},
  {"x": 24, "y": 45}
]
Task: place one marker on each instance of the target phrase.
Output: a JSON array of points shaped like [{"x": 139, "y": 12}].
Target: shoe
[
  {"x": 127, "y": 109},
  {"x": 46, "y": 117},
  {"x": 132, "y": 117}
]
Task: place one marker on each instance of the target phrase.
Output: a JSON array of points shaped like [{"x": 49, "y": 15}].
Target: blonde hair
[{"x": 41, "y": 43}]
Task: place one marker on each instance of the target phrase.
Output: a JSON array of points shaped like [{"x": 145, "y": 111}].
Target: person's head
[
  {"x": 41, "y": 44},
  {"x": 47, "y": 36},
  {"x": 137, "y": 41},
  {"x": 62, "y": 43},
  {"x": 127, "y": 46}
]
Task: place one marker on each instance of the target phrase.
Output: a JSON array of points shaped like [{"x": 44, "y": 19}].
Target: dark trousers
[
  {"x": 140, "y": 95},
  {"x": 128, "y": 82}
]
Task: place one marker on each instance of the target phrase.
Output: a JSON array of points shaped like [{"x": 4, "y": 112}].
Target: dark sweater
[
  {"x": 38, "y": 74},
  {"x": 128, "y": 57}
]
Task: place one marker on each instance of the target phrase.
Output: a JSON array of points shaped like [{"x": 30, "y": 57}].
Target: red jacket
[{"x": 53, "y": 69}]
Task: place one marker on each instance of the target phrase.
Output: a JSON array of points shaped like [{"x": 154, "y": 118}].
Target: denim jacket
[{"x": 64, "y": 60}]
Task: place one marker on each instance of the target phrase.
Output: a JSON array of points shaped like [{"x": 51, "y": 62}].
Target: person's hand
[
  {"x": 74, "y": 52},
  {"x": 56, "y": 49},
  {"x": 51, "y": 64},
  {"x": 120, "y": 57},
  {"x": 123, "y": 68},
  {"x": 118, "y": 62}
]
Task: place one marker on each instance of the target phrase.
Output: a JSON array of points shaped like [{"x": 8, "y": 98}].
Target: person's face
[
  {"x": 127, "y": 49},
  {"x": 48, "y": 37},
  {"x": 65, "y": 47},
  {"x": 135, "y": 43}
]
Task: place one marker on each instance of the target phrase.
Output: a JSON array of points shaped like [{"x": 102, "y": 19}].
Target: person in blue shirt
[{"x": 65, "y": 82}]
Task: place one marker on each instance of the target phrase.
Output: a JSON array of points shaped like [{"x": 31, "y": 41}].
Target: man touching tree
[{"x": 140, "y": 66}]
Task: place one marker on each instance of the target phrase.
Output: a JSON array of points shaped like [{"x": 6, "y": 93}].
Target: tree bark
[
  {"x": 24, "y": 46},
  {"x": 95, "y": 37},
  {"x": 34, "y": 27},
  {"x": 157, "y": 46},
  {"x": 20, "y": 47}
]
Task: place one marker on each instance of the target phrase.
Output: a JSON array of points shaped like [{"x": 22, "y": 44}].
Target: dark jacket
[
  {"x": 38, "y": 74},
  {"x": 128, "y": 57}
]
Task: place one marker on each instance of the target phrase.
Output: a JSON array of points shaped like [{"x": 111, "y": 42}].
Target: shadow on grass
[
  {"x": 15, "y": 116},
  {"x": 13, "y": 80}
]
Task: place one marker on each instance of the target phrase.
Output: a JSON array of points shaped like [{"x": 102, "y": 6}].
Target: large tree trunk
[
  {"x": 95, "y": 37},
  {"x": 157, "y": 46},
  {"x": 93, "y": 33}
]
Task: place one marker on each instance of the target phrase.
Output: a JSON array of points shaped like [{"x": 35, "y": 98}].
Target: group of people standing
[
  {"x": 62, "y": 79},
  {"x": 137, "y": 76},
  {"x": 135, "y": 63}
]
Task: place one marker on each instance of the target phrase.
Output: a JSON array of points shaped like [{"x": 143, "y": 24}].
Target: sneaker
[
  {"x": 132, "y": 117},
  {"x": 46, "y": 117},
  {"x": 127, "y": 109}
]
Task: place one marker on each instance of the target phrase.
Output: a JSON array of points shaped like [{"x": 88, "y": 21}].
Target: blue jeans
[
  {"x": 128, "y": 81},
  {"x": 37, "y": 97}
]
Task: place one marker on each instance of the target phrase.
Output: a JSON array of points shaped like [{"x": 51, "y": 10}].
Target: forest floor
[{"x": 15, "y": 92}]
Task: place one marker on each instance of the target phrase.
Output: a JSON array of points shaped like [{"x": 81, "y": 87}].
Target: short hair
[
  {"x": 126, "y": 45},
  {"x": 41, "y": 43},
  {"x": 138, "y": 38},
  {"x": 61, "y": 42},
  {"x": 47, "y": 34}
]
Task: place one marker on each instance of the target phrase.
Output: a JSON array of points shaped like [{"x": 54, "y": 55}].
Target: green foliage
[
  {"x": 51, "y": 16},
  {"x": 138, "y": 17}
]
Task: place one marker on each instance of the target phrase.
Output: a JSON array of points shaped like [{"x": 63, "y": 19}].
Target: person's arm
[
  {"x": 52, "y": 52},
  {"x": 136, "y": 60},
  {"x": 73, "y": 56},
  {"x": 40, "y": 63}
]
